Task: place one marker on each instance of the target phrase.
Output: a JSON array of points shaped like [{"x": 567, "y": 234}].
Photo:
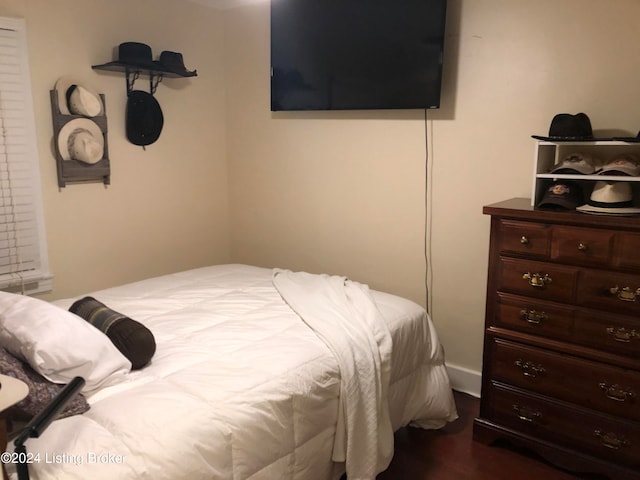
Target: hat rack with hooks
[
  {"x": 135, "y": 59},
  {"x": 90, "y": 133},
  {"x": 133, "y": 74},
  {"x": 144, "y": 118}
]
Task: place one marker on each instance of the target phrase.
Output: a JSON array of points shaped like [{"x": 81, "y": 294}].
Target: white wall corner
[{"x": 465, "y": 380}]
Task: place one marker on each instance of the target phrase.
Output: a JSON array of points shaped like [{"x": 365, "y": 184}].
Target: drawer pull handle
[
  {"x": 626, "y": 294},
  {"x": 622, "y": 334},
  {"x": 616, "y": 392},
  {"x": 529, "y": 369},
  {"x": 610, "y": 440},
  {"x": 533, "y": 317},
  {"x": 526, "y": 414},
  {"x": 524, "y": 240},
  {"x": 583, "y": 247},
  {"x": 537, "y": 280}
]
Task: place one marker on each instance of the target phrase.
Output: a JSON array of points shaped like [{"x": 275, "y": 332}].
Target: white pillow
[{"x": 59, "y": 344}]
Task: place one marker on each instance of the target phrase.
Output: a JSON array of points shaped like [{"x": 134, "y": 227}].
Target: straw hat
[
  {"x": 81, "y": 139},
  {"x": 77, "y": 99}
]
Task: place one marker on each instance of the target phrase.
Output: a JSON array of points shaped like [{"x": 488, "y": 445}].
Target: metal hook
[
  {"x": 154, "y": 85},
  {"x": 131, "y": 78}
]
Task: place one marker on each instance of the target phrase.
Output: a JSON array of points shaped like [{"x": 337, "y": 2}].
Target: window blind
[{"x": 23, "y": 257}]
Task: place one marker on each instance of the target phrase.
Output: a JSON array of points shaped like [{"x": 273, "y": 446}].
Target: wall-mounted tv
[{"x": 356, "y": 54}]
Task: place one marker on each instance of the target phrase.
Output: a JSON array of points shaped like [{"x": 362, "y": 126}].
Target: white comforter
[{"x": 239, "y": 387}]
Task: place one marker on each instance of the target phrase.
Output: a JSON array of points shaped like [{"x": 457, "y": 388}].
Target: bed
[{"x": 241, "y": 385}]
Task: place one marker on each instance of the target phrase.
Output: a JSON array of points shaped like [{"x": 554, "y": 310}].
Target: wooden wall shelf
[{"x": 133, "y": 73}]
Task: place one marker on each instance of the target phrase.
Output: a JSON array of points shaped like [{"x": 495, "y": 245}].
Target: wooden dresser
[{"x": 561, "y": 371}]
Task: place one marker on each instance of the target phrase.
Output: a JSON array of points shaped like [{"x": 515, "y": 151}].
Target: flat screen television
[{"x": 356, "y": 54}]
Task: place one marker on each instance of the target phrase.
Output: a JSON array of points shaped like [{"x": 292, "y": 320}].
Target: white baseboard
[{"x": 465, "y": 380}]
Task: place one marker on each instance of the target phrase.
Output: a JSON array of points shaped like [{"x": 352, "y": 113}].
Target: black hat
[
  {"x": 566, "y": 127},
  {"x": 133, "y": 54},
  {"x": 562, "y": 196},
  {"x": 172, "y": 62},
  {"x": 635, "y": 139},
  {"x": 144, "y": 119}
]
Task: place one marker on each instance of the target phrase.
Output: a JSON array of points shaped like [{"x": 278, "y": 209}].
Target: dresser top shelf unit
[
  {"x": 548, "y": 154},
  {"x": 608, "y": 178},
  {"x": 588, "y": 142},
  {"x": 522, "y": 208}
]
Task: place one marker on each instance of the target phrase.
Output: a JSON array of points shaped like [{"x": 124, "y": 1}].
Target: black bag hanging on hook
[{"x": 144, "y": 118}]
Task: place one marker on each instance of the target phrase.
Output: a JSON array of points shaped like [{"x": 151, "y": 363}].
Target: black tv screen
[{"x": 356, "y": 54}]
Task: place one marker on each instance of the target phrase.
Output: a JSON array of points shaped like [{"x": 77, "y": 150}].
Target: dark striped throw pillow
[{"x": 133, "y": 339}]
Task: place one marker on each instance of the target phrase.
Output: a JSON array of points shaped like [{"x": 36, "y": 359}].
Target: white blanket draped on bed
[{"x": 345, "y": 316}]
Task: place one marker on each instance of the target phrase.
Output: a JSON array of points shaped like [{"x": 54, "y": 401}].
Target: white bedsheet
[{"x": 239, "y": 387}]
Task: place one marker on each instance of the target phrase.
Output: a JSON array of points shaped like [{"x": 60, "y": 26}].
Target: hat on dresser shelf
[
  {"x": 577, "y": 163},
  {"x": 566, "y": 127},
  {"x": 635, "y": 139},
  {"x": 610, "y": 198},
  {"x": 625, "y": 165},
  {"x": 75, "y": 98},
  {"x": 81, "y": 139},
  {"x": 562, "y": 195}
]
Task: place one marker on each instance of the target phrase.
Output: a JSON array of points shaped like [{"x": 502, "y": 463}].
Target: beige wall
[
  {"x": 344, "y": 192},
  {"x": 166, "y": 208}
]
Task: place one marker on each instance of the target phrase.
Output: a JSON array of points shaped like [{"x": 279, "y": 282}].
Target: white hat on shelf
[
  {"x": 579, "y": 163},
  {"x": 610, "y": 198},
  {"x": 624, "y": 164}
]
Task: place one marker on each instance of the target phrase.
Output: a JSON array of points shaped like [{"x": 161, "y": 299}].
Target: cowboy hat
[
  {"x": 132, "y": 54},
  {"x": 144, "y": 118},
  {"x": 611, "y": 198},
  {"x": 77, "y": 99},
  {"x": 566, "y": 127},
  {"x": 81, "y": 139},
  {"x": 172, "y": 62}
]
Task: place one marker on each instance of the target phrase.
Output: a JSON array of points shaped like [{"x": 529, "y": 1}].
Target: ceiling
[{"x": 225, "y": 4}]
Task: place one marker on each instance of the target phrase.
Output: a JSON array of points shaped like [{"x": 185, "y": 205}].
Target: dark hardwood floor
[{"x": 451, "y": 454}]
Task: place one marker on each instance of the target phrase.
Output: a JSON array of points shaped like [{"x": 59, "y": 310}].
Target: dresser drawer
[
  {"x": 583, "y": 246},
  {"x": 591, "y": 384},
  {"x": 524, "y": 238},
  {"x": 580, "y": 429},
  {"x": 534, "y": 316},
  {"x": 605, "y": 331},
  {"x": 610, "y": 291},
  {"x": 546, "y": 281},
  {"x": 627, "y": 251}
]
